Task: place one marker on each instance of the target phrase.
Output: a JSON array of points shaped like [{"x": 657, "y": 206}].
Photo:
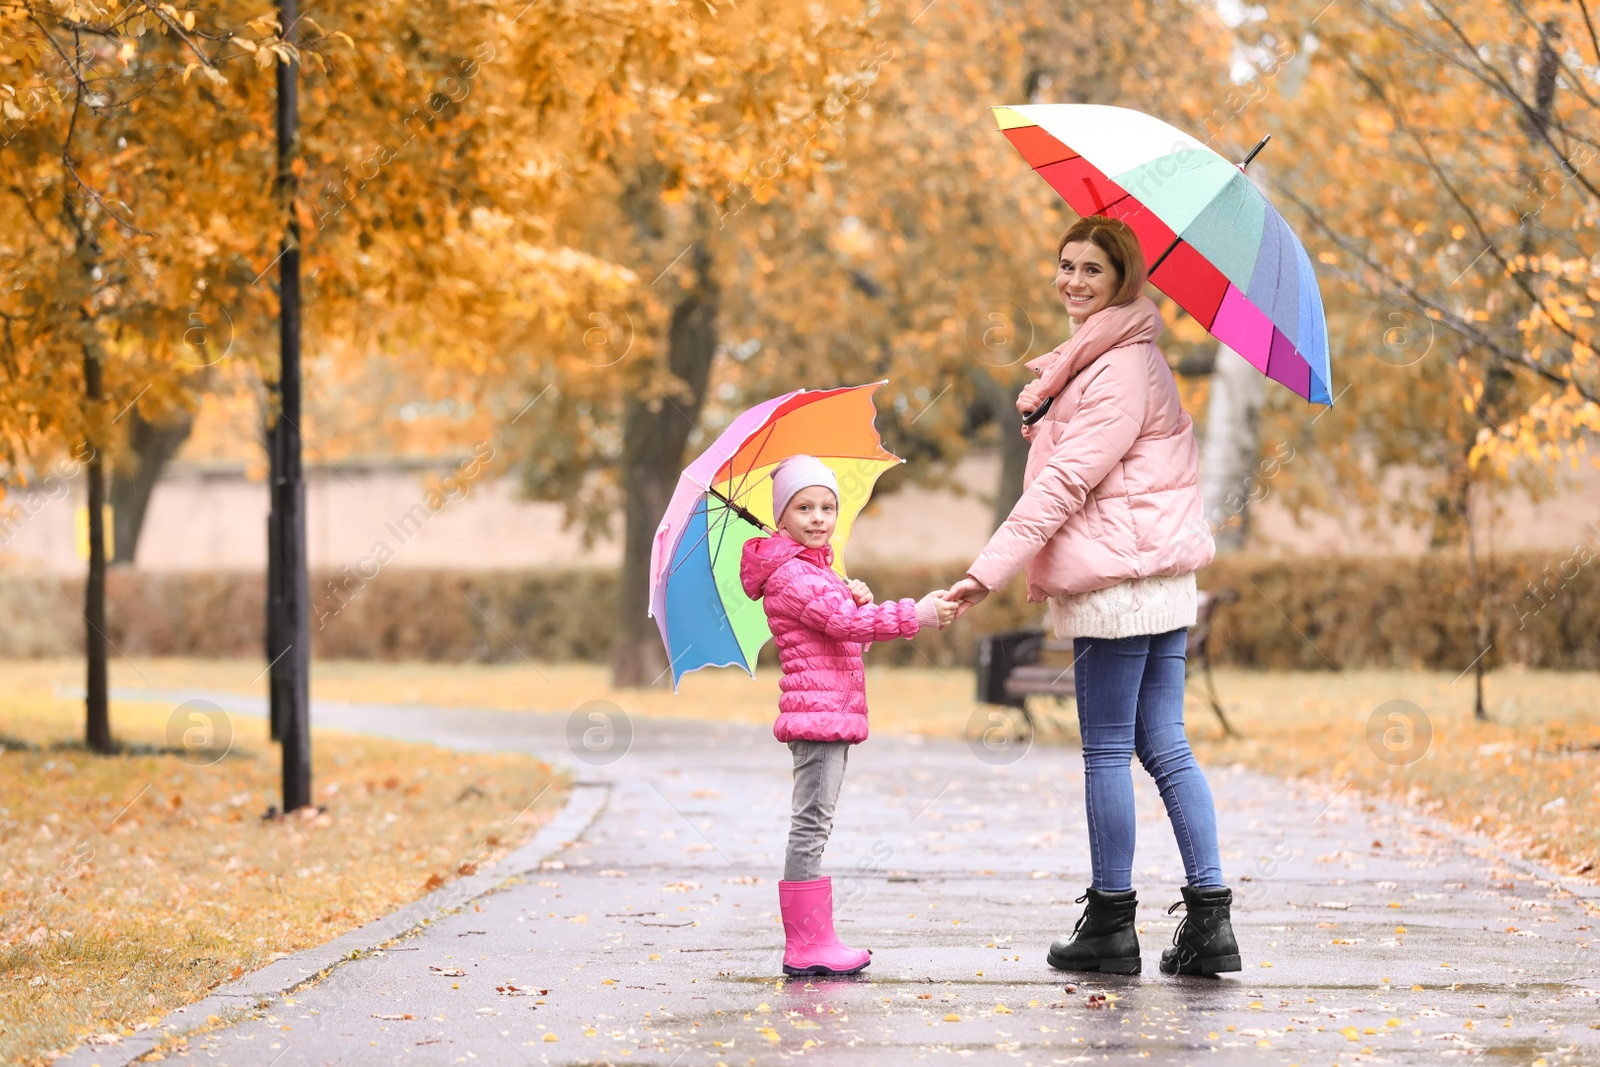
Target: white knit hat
[{"x": 797, "y": 473}]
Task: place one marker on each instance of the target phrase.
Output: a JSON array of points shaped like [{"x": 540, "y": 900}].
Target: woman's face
[{"x": 1085, "y": 279}]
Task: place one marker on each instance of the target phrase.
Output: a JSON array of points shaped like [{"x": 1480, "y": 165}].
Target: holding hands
[
  {"x": 965, "y": 593},
  {"x": 947, "y": 604},
  {"x": 944, "y": 611}
]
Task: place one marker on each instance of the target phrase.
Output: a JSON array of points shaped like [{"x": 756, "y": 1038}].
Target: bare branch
[
  {"x": 1433, "y": 165},
  {"x": 1388, "y": 285},
  {"x": 1589, "y": 22},
  {"x": 1535, "y": 121}
]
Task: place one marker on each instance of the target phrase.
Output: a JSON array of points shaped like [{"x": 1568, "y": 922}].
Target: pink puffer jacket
[
  {"x": 819, "y": 631},
  {"x": 1111, "y": 490}
]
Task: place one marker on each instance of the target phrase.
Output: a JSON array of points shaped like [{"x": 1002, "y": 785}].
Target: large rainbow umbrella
[
  {"x": 724, "y": 499},
  {"x": 1214, "y": 243}
]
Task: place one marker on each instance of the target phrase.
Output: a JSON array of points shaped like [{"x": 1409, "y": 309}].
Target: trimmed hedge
[{"x": 1292, "y": 613}]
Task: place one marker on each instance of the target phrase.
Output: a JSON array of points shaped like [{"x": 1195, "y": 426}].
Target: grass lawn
[
  {"x": 189, "y": 886},
  {"x": 1527, "y": 777},
  {"x": 136, "y": 883}
]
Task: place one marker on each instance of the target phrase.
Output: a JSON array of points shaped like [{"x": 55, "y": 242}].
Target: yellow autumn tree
[
  {"x": 1439, "y": 157},
  {"x": 924, "y": 251},
  {"x": 439, "y": 147}
]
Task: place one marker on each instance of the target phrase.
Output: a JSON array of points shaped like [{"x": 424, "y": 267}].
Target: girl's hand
[
  {"x": 948, "y": 609},
  {"x": 859, "y": 592},
  {"x": 965, "y": 593}
]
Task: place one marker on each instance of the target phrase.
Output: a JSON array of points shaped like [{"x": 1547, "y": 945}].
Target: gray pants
[{"x": 818, "y": 774}]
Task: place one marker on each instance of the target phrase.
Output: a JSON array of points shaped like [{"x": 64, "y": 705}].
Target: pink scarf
[{"x": 1136, "y": 322}]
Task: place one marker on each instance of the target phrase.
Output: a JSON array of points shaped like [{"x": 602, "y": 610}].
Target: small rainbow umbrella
[
  {"x": 1213, "y": 242},
  {"x": 724, "y": 499}
]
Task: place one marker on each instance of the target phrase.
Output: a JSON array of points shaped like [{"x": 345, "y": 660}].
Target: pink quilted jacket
[
  {"x": 1111, "y": 490},
  {"x": 819, "y": 631}
]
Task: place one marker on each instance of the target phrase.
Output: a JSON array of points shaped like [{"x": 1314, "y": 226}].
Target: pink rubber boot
[{"x": 809, "y": 944}]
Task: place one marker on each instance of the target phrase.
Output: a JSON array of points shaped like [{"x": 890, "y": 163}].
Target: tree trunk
[
  {"x": 1497, "y": 382},
  {"x": 1013, "y": 447},
  {"x": 1481, "y": 595},
  {"x": 97, "y": 729},
  {"x": 655, "y": 432},
  {"x": 149, "y": 447},
  {"x": 1231, "y": 448}
]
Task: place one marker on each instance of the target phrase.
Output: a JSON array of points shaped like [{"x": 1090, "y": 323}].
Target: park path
[{"x": 644, "y": 930}]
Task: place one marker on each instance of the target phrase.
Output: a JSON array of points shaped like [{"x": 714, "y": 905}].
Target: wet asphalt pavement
[{"x": 648, "y": 933}]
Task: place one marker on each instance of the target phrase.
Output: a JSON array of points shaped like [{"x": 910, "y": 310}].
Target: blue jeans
[{"x": 1130, "y": 700}]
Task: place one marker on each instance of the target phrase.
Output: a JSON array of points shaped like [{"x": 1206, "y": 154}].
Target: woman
[{"x": 1110, "y": 530}]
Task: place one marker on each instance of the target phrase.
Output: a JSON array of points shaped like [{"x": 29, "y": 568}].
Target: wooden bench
[{"x": 1011, "y": 665}]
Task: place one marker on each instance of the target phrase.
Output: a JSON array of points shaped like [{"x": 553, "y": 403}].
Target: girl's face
[
  {"x": 811, "y": 516},
  {"x": 1085, "y": 279}
]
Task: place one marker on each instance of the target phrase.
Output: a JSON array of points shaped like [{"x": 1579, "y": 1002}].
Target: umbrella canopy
[
  {"x": 724, "y": 499},
  {"x": 1214, "y": 244}
]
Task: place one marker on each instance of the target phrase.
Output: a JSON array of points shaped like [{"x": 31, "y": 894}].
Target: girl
[
  {"x": 820, "y": 624},
  {"x": 1111, "y": 531}
]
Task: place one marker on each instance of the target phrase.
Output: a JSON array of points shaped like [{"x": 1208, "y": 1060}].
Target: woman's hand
[
  {"x": 1029, "y": 399},
  {"x": 967, "y": 592},
  {"x": 859, "y": 592}
]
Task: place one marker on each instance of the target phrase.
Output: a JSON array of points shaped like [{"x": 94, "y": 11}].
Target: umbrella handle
[
  {"x": 1037, "y": 413},
  {"x": 742, "y": 512}
]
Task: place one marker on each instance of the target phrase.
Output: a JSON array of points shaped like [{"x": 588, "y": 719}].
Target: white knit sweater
[{"x": 1127, "y": 609}]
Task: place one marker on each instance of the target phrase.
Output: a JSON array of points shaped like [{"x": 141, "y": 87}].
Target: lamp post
[{"x": 288, "y": 628}]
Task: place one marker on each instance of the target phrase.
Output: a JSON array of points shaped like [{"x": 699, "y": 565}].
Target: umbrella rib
[
  {"x": 1163, "y": 257},
  {"x": 768, "y": 429},
  {"x": 682, "y": 553},
  {"x": 679, "y": 552}
]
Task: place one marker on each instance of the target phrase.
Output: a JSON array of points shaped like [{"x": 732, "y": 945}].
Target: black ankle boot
[
  {"x": 1204, "y": 941},
  {"x": 1104, "y": 939}
]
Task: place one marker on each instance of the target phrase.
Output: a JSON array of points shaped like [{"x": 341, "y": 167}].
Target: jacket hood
[
  {"x": 1136, "y": 322},
  {"x": 762, "y": 557}
]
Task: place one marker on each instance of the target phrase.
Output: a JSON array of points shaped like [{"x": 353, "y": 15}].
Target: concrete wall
[{"x": 216, "y": 520}]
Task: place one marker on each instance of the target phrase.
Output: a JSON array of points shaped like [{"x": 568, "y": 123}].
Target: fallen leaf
[
  {"x": 450, "y": 972},
  {"x": 393, "y": 1018}
]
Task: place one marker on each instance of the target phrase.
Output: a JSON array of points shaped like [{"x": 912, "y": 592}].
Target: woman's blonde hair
[{"x": 1120, "y": 244}]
